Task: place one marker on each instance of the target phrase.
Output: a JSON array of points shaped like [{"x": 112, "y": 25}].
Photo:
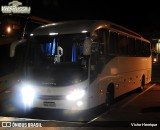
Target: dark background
[{"x": 139, "y": 16}]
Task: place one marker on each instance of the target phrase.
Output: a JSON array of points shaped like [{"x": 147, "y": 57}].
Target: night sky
[{"x": 136, "y": 15}]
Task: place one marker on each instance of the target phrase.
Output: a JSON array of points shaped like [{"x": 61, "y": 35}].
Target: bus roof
[{"x": 77, "y": 26}]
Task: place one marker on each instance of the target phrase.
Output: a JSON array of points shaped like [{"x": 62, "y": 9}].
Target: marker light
[{"x": 75, "y": 95}]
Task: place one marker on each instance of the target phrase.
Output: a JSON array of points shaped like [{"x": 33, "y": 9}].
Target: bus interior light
[
  {"x": 84, "y": 31},
  {"x": 53, "y": 33}
]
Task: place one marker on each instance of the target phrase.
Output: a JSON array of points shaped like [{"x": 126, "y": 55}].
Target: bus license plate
[{"x": 49, "y": 104}]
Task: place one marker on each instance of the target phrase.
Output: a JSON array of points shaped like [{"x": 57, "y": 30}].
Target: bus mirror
[
  {"x": 14, "y": 45},
  {"x": 87, "y": 46}
]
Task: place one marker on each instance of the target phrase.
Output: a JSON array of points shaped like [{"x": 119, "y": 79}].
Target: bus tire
[
  {"x": 141, "y": 88},
  {"x": 109, "y": 96}
]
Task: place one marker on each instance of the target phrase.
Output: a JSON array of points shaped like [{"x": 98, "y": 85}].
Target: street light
[{"x": 158, "y": 46}]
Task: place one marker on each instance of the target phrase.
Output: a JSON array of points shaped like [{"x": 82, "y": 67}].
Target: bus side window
[
  {"x": 94, "y": 60},
  {"x": 123, "y": 45},
  {"x": 138, "y": 48},
  {"x": 99, "y": 49},
  {"x": 102, "y": 38},
  {"x": 131, "y": 47},
  {"x": 146, "y": 49},
  {"x": 113, "y": 40}
]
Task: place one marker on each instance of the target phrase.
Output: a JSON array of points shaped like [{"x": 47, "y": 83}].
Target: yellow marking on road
[{"x": 127, "y": 103}]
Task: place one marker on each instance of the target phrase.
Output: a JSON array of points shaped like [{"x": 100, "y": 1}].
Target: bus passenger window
[
  {"x": 102, "y": 38},
  {"x": 94, "y": 60},
  {"x": 123, "y": 45},
  {"x": 138, "y": 48},
  {"x": 113, "y": 40},
  {"x": 101, "y": 41},
  {"x": 131, "y": 47}
]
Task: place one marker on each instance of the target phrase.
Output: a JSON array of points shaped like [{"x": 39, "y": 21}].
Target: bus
[{"x": 81, "y": 64}]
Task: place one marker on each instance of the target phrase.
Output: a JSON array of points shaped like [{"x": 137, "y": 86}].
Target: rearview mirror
[{"x": 14, "y": 45}]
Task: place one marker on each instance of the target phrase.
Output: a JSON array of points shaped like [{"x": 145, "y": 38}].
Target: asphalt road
[{"x": 132, "y": 111}]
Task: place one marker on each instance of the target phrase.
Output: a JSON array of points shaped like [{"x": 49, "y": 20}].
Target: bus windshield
[{"x": 58, "y": 57}]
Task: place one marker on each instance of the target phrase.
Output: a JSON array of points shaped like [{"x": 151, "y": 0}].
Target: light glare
[
  {"x": 28, "y": 94},
  {"x": 31, "y": 34},
  {"x": 84, "y": 31},
  {"x": 76, "y": 94},
  {"x": 8, "y": 29},
  {"x": 79, "y": 103},
  {"x": 53, "y": 33}
]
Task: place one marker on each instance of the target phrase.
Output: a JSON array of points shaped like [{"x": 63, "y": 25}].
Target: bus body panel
[{"x": 124, "y": 73}]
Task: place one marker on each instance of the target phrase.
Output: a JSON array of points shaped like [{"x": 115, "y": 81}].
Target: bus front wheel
[{"x": 109, "y": 97}]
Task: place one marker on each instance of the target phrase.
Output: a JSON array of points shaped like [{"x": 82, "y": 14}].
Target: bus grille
[{"x": 51, "y": 97}]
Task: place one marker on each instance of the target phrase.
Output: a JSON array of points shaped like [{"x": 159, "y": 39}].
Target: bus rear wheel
[
  {"x": 108, "y": 100},
  {"x": 141, "y": 88}
]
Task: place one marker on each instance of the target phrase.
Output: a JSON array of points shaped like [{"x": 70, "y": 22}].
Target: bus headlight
[
  {"x": 75, "y": 95},
  {"x": 28, "y": 94}
]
